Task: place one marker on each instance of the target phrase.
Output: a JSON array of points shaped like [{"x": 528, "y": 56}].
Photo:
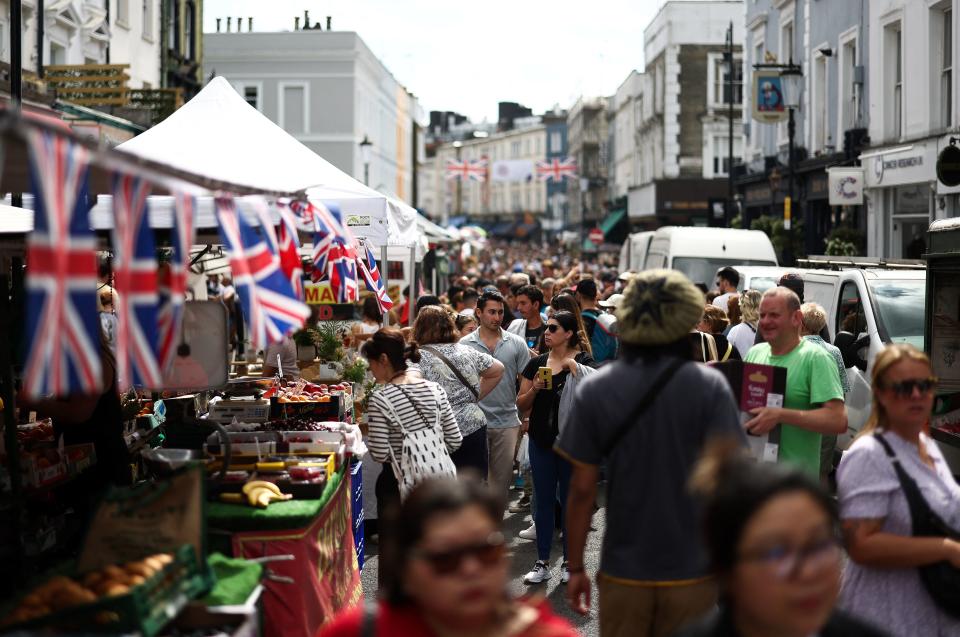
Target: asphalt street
[{"x": 523, "y": 555}]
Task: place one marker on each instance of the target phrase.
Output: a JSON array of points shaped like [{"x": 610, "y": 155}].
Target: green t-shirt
[{"x": 812, "y": 379}]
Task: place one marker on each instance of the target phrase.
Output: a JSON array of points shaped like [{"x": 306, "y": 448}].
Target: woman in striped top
[{"x": 417, "y": 403}]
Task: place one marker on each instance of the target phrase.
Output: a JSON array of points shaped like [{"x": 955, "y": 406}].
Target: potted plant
[
  {"x": 329, "y": 345},
  {"x": 306, "y": 341}
]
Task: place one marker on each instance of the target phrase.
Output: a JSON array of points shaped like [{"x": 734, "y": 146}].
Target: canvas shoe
[
  {"x": 565, "y": 572},
  {"x": 522, "y": 504},
  {"x": 529, "y": 533},
  {"x": 539, "y": 574}
]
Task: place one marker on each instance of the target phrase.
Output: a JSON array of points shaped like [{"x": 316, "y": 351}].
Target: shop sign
[
  {"x": 759, "y": 196},
  {"x": 948, "y": 166},
  {"x": 768, "y": 106},
  {"x": 358, "y": 220},
  {"x": 882, "y": 167},
  {"x": 845, "y": 186}
]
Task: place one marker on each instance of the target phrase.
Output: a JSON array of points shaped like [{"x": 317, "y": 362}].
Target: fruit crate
[{"x": 145, "y": 609}]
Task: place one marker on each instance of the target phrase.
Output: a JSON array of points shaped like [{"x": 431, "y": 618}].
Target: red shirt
[{"x": 405, "y": 621}]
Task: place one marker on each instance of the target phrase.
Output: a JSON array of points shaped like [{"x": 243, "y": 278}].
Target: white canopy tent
[{"x": 14, "y": 220}]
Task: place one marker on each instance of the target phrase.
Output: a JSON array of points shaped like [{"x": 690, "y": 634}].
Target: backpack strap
[{"x": 726, "y": 354}]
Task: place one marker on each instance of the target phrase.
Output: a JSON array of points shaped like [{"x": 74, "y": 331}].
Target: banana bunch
[{"x": 258, "y": 493}]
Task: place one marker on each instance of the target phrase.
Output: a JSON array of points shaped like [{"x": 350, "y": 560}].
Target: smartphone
[{"x": 546, "y": 375}]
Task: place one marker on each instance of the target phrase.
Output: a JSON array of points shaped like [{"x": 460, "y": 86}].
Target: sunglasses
[
  {"x": 448, "y": 562},
  {"x": 905, "y": 388},
  {"x": 552, "y": 327}
]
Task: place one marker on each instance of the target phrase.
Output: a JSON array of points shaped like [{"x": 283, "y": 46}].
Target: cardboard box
[{"x": 755, "y": 386}]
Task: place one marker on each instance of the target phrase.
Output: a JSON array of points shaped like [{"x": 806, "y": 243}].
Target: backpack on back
[{"x": 604, "y": 342}]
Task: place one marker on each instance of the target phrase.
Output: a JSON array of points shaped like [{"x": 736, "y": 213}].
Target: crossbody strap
[
  {"x": 416, "y": 408},
  {"x": 644, "y": 403},
  {"x": 452, "y": 367}
]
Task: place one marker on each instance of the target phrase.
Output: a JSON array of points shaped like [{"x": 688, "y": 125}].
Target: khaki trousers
[
  {"x": 501, "y": 446},
  {"x": 643, "y": 610}
]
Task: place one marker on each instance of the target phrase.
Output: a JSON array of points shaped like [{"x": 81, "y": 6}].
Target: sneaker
[
  {"x": 540, "y": 573},
  {"x": 529, "y": 533},
  {"x": 522, "y": 504},
  {"x": 565, "y": 572}
]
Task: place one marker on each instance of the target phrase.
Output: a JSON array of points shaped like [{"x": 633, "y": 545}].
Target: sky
[{"x": 467, "y": 56}]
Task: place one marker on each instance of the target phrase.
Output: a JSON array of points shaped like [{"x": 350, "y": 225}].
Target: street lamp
[
  {"x": 365, "y": 146},
  {"x": 791, "y": 82}
]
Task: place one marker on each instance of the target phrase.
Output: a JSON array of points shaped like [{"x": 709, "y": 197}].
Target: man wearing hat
[
  {"x": 599, "y": 324},
  {"x": 647, "y": 416}
]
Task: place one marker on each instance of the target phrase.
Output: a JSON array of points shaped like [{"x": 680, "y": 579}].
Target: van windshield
[
  {"x": 900, "y": 307},
  {"x": 704, "y": 270}
]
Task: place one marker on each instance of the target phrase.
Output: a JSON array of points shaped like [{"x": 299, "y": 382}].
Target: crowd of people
[{"x": 609, "y": 380}]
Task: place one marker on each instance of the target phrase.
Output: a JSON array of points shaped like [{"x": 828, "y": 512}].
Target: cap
[
  {"x": 626, "y": 276},
  {"x": 659, "y": 307},
  {"x": 587, "y": 288},
  {"x": 614, "y": 301}
]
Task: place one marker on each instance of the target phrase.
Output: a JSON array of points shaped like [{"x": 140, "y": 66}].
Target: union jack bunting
[
  {"x": 135, "y": 274},
  {"x": 63, "y": 346},
  {"x": 371, "y": 276},
  {"x": 289, "y": 256},
  {"x": 466, "y": 169},
  {"x": 173, "y": 279},
  {"x": 269, "y": 307},
  {"x": 328, "y": 228},
  {"x": 342, "y": 272},
  {"x": 557, "y": 169}
]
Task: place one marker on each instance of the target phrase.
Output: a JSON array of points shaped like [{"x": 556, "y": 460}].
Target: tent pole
[
  {"x": 384, "y": 269},
  {"x": 414, "y": 292}
]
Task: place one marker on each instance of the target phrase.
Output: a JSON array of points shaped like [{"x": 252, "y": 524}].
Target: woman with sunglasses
[
  {"x": 551, "y": 472},
  {"x": 772, "y": 537},
  {"x": 566, "y": 302},
  {"x": 881, "y": 580},
  {"x": 451, "y": 573}
]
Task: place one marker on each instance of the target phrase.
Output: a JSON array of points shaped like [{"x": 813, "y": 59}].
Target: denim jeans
[{"x": 551, "y": 481}]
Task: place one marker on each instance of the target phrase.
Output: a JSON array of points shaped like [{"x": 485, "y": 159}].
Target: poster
[
  {"x": 945, "y": 331},
  {"x": 768, "y": 105}
]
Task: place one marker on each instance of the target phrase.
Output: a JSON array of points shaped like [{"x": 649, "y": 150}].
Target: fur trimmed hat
[{"x": 659, "y": 307}]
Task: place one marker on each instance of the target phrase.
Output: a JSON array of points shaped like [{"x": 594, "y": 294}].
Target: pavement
[{"x": 523, "y": 555}]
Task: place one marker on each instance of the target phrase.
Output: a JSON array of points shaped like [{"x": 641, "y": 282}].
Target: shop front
[{"x": 674, "y": 202}]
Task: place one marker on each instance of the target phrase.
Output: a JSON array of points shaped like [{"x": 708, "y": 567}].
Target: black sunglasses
[
  {"x": 552, "y": 327},
  {"x": 447, "y": 562},
  {"x": 905, "y": 387}
]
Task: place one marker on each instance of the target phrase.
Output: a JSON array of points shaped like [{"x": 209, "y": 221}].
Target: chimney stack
[
  {"x": 229, "y": 24},
  {"x": 218, "y": 25},
  {"x": 296, "y": 23},
  {"x": 329, "y": 22},
  {"x": 306, "y": 19},
  {"x": 250, "y": 24},
  {"x": 239, "y": 24}
]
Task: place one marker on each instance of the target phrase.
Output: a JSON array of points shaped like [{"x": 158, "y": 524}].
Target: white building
[
  {"x": 77, "y": 32},
  {"x": 913, "y": 110},
  {"x": 625, "y": 173},
  {"x": 329, "y": 90}
]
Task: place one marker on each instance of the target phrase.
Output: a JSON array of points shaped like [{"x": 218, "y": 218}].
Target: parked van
[
  {"x": 760, "y": 277},
  {"x": 633, "y": 254},
  {"x": 700, "y": 252},
  {"x": 867, "y": 309}
]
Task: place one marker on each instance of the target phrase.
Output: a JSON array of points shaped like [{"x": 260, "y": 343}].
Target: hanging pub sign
[
  {"x": 768, "y": 105},
  {"x": 948, "y": 165},
  {"x": 845, "y": 186}
]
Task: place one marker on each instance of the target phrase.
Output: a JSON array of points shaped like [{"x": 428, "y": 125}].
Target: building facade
[
  {"x": 181, "y": 38},
  {"x": 557, "y": 216},
  {"x": 588, "y": 139},
  {"x": 912, "y": 112},
  {"x": 327, "y": 89},
  {"x": 680, "y": 114}
]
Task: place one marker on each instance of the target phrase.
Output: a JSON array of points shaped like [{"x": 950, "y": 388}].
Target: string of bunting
[{"x": 63, "y": 342}]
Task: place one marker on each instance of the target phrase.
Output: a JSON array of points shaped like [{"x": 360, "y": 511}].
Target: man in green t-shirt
[{"x": 813, "y": 404}]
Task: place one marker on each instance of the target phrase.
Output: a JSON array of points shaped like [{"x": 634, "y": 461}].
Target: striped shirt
[{"x": 383, "y": 431}]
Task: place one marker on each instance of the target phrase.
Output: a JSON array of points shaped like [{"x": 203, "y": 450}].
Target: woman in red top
[{"x": 451, "y": 574}]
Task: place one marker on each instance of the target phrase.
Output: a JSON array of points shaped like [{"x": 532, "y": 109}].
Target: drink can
[{"x": 546, "y": 375}]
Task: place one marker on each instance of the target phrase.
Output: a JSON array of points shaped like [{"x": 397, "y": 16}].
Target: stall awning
[
  {"x": 608, "y": 224},
  {"x": 503, "y": 229}
]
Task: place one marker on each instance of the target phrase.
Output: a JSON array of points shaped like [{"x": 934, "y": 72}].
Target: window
[
  {"x": 123, "y": 12},
  {"x": 848, "y": 89},
  {"x": 721, "y": 154},
  {"x": 173, "y": 27},
  {"x": 786, "y": 41},
  {"x": 148, "y": 16},
  {"x": 58, "y": 54},
  {"x": 556, "y": 142},
  {"x": 721, "y": 90},
  {"x": 893, "y": 75},
  {"x": 293, "y": 108},
  {"x": 946, "y": 70},
  {"x": 189, "y": 24},
  {"x": 251, "y": 95},
  {"x": 515, "y": 149}
]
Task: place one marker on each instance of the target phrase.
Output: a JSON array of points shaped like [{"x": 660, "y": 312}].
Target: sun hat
[
  {"x": 659, "y": 307},
  {"x": 614, "y": 301}
]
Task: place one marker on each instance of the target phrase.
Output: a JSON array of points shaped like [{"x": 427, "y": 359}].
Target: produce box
[
  {"x": 311, "y": 442},
  {"x": 329, "y": 407},
  {"x": 79, "y": 457},
  {"x": 139, "y": 597},
  {"x": 225, "y": 411},
  {"x": 42, "y": 468},
  {"x": 247, "y": 443}
]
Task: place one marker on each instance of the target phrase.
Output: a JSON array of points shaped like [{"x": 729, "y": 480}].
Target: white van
[
  {"x": 633, "y": 254},
  {"x": 760, "y": 277},
  {"x": 700, "y": 252}
]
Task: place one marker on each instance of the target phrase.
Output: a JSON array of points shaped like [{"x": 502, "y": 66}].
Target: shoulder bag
[
  {"x": 941, "y": 579},
  {"x": 644, "y": 403},
  {"x": 453, "y": 368}
]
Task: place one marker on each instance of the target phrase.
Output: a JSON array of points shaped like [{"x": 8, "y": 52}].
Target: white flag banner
[{"x": 512, "y": 170}]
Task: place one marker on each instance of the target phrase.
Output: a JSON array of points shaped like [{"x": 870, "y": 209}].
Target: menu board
[{"x": 945, "y": 330}]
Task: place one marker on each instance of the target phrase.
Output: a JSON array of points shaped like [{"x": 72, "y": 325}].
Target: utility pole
[{"x": 728, "y": 213}]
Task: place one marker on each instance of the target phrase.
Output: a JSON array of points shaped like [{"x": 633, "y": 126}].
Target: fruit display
[
  {"x": 302, "y": 391},
  {"x": 39, "y": 432},
  {"x": 60, "y": 593},
  {"x": 257, "y": 493}
]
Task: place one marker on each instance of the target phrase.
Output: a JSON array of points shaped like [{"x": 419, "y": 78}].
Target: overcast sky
[{"x": 467, "y": 56}]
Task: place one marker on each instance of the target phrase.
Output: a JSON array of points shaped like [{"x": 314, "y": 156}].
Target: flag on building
[
  {"x": 518, "y": 170},
  {"x": 135, "y": 278},
  {"x": 557, "y": 169},
  {"x": 62, "y": 330},
  {"x": 173, "y": 279},
  {"x": 269, "y": 307},
  {"x": 371, "y": 276},
  {"x": 475, "y": 170}
]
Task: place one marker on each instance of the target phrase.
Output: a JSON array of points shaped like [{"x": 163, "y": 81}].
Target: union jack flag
[
  {"x": 328, "y": 229},
  {"x": 342, "y": 272},
  {"x": 63, "y": 346},
  {"x": 270, "y": 309},
  {"x": 135, "y": 274},
  {"x": 289, "y": 244},
  {"x": 371, "y": 276},
  {"x": 474, "y": 170},
  {"x": 173, "y": 278},
  {"x": 557, "y": 169}
]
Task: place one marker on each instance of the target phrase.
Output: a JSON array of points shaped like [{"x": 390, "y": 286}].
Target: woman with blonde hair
[
  {"x": 891, "y": 483},
  {"x": 744, "y": 333}
]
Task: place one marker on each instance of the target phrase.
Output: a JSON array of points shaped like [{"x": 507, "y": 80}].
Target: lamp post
[
  {"x": 365, "y": 146},
  {"x": 584, "y": 187},
  {"x": 791, "y": 81}
]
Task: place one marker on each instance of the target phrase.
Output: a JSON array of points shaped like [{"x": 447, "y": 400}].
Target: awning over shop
[
  {"x": 503, "y": 229},
  {"x": 524, "y": 230},
  {"x": 609, "y": 223}
]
